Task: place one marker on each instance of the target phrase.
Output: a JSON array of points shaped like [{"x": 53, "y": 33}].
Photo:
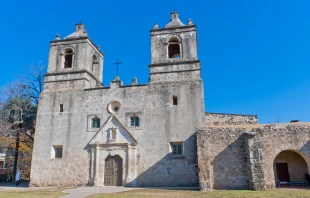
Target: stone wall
[
  {"x": 223, "y": 152},
  {"x": 161, "y": 123},
  {"x": 281, "y": 137},
  {"x": 231, "y": 158},
  {"x": 220, "y": 119}
]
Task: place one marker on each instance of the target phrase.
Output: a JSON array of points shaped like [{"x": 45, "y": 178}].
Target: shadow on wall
[
  {"x": 171, "y": 170},
  {"x": 230, "y": 169}
]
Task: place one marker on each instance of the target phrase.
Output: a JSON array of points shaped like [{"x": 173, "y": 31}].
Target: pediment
[{"x": 113, "y": 132}]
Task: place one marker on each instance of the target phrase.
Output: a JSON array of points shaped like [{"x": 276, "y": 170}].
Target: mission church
[{"x": 154, "y": 134}]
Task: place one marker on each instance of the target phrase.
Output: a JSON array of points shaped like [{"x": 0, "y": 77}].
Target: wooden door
[
  {"x": 113, "y": 171},
  {"x": 282, "y": 172}
]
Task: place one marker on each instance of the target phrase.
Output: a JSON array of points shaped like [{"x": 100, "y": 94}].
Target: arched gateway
[{"x": 290, "y": 166}]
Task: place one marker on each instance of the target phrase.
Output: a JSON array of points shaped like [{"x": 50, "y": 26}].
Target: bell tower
[
  {"x": 75, "y": 62},
  {"x": 174, "y": 51}
]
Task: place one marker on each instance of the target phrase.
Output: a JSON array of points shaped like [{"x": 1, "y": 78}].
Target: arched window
[
  {"x": 174, "y": 48},
  {"x": 95, "y": 122},
  {"x": 95, "y": 64},
  {"x": 134, "y": 121},
  {"x": 68, "y": 58}
]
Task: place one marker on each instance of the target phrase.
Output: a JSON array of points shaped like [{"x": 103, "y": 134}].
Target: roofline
[
  {"x": 72, "y": 72},
  {"x": 106, "y": 122},
  {"x": 121, "y": 86},
  {"x": 173, "y": 28},
  {"x": 231, "y": 114},
  {"x": 174, "y": 63}
]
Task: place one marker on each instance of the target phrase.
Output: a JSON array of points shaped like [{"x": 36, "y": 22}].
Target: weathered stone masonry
[
  {"x": 145, "y": 153},
  {"x": 220, "y": 119},
  {"x": 232, "y": 158},
  {"x": 154, "y": 134}
]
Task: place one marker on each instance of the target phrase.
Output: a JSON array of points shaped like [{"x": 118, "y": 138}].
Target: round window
[{"x": 114, "y": 107}]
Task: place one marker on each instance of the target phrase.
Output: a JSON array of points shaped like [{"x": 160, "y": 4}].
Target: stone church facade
[{"x": 154, "y": 134}]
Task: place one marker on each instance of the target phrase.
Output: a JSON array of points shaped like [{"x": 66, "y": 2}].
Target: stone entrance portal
[
  {"x": 113, "y": 155},
  {"x": 113, "y": 171}
]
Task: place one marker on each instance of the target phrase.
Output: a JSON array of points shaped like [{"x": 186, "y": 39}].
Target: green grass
[
  {"x": 144, "y": 193},
  {"x": 53, "y": 193}
]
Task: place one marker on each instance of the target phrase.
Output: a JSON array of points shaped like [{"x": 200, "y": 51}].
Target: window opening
[
  {"x": 58, "y": 151},
  {"x": 61, "y": 108},
  {"x": 177, "y": 149},
  {"x": 94, "y": 64},
  {"x": 68, "y": 58},
  {"x": 174, "y": 50},
  {"x": 175, "y": 100},
  {"x": 134, "y": 121},
  {"x": 95, "y": 123},
  {"x": 116, "y": 108}
]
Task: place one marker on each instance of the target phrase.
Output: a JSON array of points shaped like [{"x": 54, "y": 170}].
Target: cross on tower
[{"x": 117, "y": 63}]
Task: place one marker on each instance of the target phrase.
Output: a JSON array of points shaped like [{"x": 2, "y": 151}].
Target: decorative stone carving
[
  {"x": 57, "y": 37},
  {"x": 155, "y": 26},
  {"x": 134, "y": 81},
  {"x": 190, "y": 22},
  {"x": 113, "y": 135}
]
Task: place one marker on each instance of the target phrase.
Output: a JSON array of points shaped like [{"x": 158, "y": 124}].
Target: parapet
[{"x": 221, "y": 119}]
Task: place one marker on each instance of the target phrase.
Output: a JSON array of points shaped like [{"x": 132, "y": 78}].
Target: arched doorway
[
  {"x": 290, "y": 166},
  {"x": 113, "y": 171}
]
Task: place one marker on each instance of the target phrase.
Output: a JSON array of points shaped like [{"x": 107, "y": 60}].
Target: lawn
[
  {"x": 49, "y": 193},
  {"x": 143, "y": 193}
]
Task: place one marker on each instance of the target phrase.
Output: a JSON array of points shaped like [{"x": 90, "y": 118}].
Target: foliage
[{"x": 18, "y": 107}]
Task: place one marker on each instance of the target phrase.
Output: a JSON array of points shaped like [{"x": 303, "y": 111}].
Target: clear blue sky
[{"x": 255, "y": 54}]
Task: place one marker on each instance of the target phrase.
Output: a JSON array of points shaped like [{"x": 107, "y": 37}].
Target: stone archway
[{"x": 290, "y": 165}]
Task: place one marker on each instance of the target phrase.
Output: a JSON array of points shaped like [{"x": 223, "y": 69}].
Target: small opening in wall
[
  {"x": 68, "y": 58},
  {"x": 116, "y": 109},
  {"x": 96, "y": 122},
  {"x": 134, "y": 121},
  {"x": 175, "y": 100},
  {"x": 61, "y": 108},
  {"x": 177, "y": 148},
  {"x": 57, "y": 151},
  {"x": 94, "y": 64},
  {"x": 174, "y": 50}
]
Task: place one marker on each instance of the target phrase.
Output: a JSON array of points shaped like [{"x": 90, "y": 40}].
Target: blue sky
[{"x": 255, "y": 54}]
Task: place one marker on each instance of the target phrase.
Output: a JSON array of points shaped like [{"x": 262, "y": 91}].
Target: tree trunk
[{"x": 15, "y": 157}]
